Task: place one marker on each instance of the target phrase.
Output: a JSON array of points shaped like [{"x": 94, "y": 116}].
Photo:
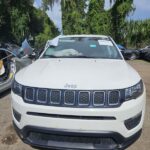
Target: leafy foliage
[
  {"x": 138, "y": 33},
  {"x": 19, "y": 24},
  {"x": 119, "y": 12},
  {"x": 97, "y": 18},
  {"x": 73, "y": 16},
  {"x": 5, "y": 26},
  {"x": 89, "y": 16},
  {"x": 19, "y": 20},
  {"x": 41, "y": 27}
]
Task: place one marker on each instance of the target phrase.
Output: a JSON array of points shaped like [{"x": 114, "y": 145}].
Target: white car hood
[{"x": 83, "y": 74}]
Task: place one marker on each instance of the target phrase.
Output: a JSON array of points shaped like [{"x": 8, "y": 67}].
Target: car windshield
[{"x": 82, "y": 47}]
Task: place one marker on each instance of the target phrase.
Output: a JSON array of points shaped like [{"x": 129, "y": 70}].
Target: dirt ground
[{"x": 10, "y": 141}]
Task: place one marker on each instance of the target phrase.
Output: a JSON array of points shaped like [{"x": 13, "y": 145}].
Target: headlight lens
[
  {"x": 134, "y": 91},
  {"x": 17, "y": 88}
]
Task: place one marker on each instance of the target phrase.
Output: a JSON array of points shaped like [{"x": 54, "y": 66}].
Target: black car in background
[
  {"x": 145, "y": 53},
  {"x": 129, "y": 54}
]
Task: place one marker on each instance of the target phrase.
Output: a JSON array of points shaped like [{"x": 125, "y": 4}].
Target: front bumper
[
  {"x": 61, "y": 139},
  {"x": 105, "y": 125}
]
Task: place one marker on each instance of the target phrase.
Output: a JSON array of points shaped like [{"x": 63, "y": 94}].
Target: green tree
[
  {"x": 97, "y": 18},
  {"x": 73, "y": 16},
  {"x": 5, "y": 27},
  {"x": 19, "y": 24},
  {"x": 138, "y": 33},
  {"x": 15, "y": 19},
  {"x": 45, "y": 28},
  {"x": 119, "y": 12},
  {"x": 19, "y": 19}
]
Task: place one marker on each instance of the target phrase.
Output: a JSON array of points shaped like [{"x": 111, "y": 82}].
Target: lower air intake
[{"x": 52, "y": 139}]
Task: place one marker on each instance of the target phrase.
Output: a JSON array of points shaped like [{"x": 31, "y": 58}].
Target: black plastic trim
[
  {"x": 71, "y": 116},
  {"x": 17, "y": 115},
  {"x": 122, "y": 142},
  {"x": 133, "y": 122}
]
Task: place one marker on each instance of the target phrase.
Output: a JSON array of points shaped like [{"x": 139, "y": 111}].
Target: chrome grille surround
[
  {"x": 83, "y": 98},
  {"x": 25, "y": 95},
  {"x": 73, "y": 99},
  {"x": 57, "y": 102},
  {"x": 37, "y": 96},
  {"x": 116, "y": 103},
  {"x": 94, "y": 94}
]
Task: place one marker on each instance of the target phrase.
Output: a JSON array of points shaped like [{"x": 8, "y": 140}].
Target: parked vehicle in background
[
  {"x": 147, "y": 56},
  {"x": 147, "y": 47},
  {"x": 129, "y": 54},
  {"x": 145, "y": 53},
  {"x": 80, "y": 94},
  {"x": 11, "y": 61}
]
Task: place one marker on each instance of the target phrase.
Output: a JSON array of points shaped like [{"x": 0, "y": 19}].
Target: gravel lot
[{"x": 10, "y": 141}]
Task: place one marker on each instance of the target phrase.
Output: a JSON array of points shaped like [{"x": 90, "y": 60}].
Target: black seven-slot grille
[{"x": 73, "y": 98}]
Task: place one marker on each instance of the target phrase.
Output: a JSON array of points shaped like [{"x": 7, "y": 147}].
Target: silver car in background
[{"x": 11, "y": 61}]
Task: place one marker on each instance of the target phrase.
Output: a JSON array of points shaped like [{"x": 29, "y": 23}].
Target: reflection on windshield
[
  {"x": 82, "y": 47},
  {"x": 66, "y": 52}
]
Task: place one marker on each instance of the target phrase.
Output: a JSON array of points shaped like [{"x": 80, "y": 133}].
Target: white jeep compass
[{"x": 80, "y": 94}]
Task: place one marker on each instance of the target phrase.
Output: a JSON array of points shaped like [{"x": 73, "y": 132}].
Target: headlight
[
  {"x": 16, "y": 88},
  {"x": 134, "y": 91}
]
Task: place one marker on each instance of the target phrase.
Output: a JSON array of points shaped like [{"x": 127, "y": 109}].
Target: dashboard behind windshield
[{"x": 83, "y": 47}]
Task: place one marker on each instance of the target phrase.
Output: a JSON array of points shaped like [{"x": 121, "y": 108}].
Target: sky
[{"x": 142, "y": 11}]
